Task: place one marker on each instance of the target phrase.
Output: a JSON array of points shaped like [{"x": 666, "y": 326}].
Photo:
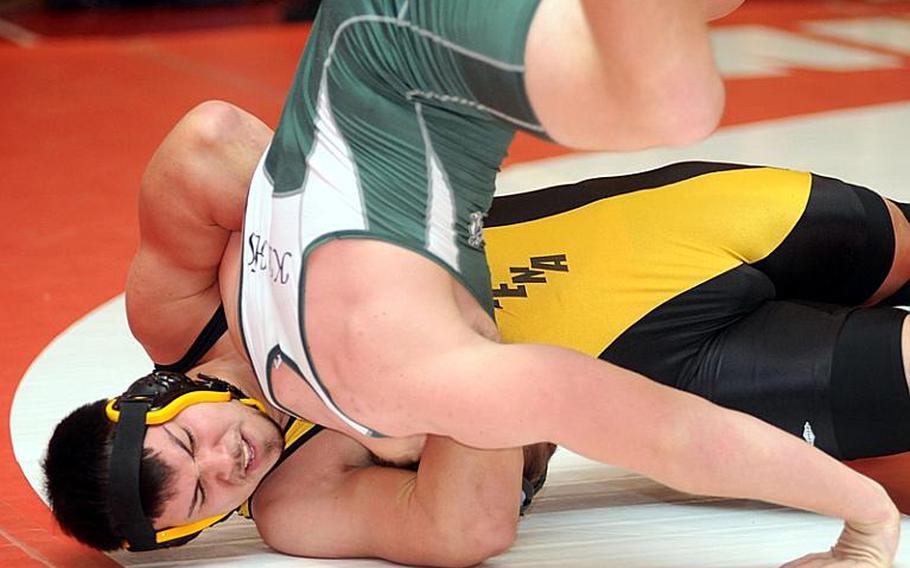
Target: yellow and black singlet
[
  {"x": 577, "y": 265},
  {"x": 727, "y": 281}
]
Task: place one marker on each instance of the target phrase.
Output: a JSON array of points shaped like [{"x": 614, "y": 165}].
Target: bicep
[
  {"x": 172, "y": 287},
  {"x": 490, "y": 395}
]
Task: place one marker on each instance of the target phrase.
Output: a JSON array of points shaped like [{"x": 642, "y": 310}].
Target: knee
[
  {"x": 483, "y": 541},
  {"x": 715, "y": 9},
  {"x": 690, "y": 115},
  {"x": 895, "y": 288},
  {"x": 628, "y": 91},
  {"x": 900, "y": 223}
]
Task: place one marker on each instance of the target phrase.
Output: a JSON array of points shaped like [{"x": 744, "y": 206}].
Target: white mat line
[
  {"x": 17, "y": 34},
  {"x": 27, "y": 550}
]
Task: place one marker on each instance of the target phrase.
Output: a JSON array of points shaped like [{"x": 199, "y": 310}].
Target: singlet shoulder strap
[
  {"x": 296, "y": 433},
  {"x": 210, "y": 334}
]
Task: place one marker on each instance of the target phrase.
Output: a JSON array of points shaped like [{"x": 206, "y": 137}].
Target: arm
[
  {"x": 513, "y": 394},
  {"x": 191, "y": 200},
  {"x": 688, "y": 443},
  {"x": 616, "y": 416},
  {"x": 642, "y": 72},
  {"x": 458, "y": 509}
]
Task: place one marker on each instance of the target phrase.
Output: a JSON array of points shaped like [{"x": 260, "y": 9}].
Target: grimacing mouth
[{"x": 248, "y": 454}]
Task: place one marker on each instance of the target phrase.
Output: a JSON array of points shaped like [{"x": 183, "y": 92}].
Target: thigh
[
  {"x": 841, "y": 249},
  {"x": 623, "y": 75},
  {"x": 668, "y": 344},
  {"x": 830, "y": 374},
  {"x": 775, "y": 364}
]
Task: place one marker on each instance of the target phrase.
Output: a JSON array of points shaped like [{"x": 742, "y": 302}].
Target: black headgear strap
[{"x": 125, "y": 501}]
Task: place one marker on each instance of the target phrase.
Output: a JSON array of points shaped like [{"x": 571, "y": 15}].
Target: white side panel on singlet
[
  {"x": 442, "y": 235},
  {"x": 284, "y": 226}
]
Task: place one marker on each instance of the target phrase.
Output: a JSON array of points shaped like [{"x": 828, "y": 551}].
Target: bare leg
[
  {"x": 900, "y": 268},
  {"x": 715, "y": 9},
  {"x": 642, "y": 72}
]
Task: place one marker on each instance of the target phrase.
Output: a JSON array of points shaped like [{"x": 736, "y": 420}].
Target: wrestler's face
[{"x": 219, "y": 451}]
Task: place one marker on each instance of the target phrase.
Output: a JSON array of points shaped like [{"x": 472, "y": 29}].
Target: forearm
[
  {"x": 616, "y": 416},
  {"x": 691, "y": 444},
  {"x": 720, "y": 452},
  {"x": 458, "y": 509},
  {"x": 469, "y": 497}
]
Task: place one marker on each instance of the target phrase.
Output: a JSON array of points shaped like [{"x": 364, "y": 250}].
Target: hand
[{"x": 861, "y": 545}]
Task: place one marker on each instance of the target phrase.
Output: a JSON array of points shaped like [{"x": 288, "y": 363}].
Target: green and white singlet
[{"x": 395, "y": 127}]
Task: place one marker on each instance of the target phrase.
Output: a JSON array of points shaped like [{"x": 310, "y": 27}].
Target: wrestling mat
[{"x": 819, "y": 85}]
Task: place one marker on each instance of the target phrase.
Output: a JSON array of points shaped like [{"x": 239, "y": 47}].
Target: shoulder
[{"x": 313, "y": 470}]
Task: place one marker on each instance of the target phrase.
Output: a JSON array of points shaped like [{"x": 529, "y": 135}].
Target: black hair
[
  {"x": 77, "y": 480},
  {"x": 537, "y": 461}
]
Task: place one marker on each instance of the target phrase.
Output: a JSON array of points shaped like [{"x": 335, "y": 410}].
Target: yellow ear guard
[{"x": 155, "y": 399}]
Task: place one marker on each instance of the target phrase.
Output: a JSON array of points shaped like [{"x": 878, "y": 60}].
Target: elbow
[
  {"x": 476, "y": 542},
  {"x": 494, "y": 538},
  {"x": 701, "y": 464},
  {"x": 493, "y": 528},
  {"x": 477, "y": 551},
  {"x": 184, "y": 161}
]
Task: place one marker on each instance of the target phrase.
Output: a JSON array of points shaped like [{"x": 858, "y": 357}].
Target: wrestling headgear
[{"x": 155, "y": 399}]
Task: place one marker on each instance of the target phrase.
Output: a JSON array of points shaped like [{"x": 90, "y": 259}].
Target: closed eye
[
  {"x": 190, "y": 448},
  {"x": 199, "y": 493}
]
